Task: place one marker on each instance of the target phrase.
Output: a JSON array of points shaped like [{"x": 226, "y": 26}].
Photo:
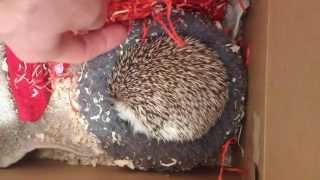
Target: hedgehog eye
[
  {"x": 111, "y": 103},
  {"x": 110, "y": 100}
]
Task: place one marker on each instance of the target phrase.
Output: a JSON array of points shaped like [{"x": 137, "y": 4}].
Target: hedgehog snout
[{"x": 110, "y": 100}]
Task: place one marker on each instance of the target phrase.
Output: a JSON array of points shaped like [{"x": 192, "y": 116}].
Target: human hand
[{"x": 52, "y": 31}]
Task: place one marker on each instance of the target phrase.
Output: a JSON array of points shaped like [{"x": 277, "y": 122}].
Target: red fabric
[{"x": 31, "y": 95}]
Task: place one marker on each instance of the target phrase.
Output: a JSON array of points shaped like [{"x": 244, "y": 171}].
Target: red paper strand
[{"x": 224, "y": 150}]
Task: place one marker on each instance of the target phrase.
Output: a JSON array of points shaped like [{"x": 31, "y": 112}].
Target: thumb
[{"x": 80, "y": 48}]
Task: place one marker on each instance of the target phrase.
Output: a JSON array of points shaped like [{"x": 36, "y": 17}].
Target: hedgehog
[{"x": 167, "y": 92}]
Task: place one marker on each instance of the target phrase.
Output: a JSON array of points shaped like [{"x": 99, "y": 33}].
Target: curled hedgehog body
[{"x": 167, "y": 92}]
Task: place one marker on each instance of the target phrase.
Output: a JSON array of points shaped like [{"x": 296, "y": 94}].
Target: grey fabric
[{"x": 147, "y": 154}]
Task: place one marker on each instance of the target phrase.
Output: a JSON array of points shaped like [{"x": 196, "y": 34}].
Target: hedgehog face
[{"x": 169, "y": 93}]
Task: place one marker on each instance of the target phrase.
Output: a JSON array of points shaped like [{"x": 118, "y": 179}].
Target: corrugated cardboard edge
[{"x": 257, "y": 37}]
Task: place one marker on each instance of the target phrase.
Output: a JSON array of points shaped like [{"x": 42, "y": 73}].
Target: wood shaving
[
  {"x": 172, "y": 163},
  {"x": 125, "y": 163}
]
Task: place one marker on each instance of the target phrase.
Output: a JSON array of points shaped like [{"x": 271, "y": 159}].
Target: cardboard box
[
  {"x": 282, "y": 126},
  {"x": 284, "y": 99}
]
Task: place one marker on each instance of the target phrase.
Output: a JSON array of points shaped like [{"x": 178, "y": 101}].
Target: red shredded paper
[
  {"x": 139, "y": 9},
  {"x": 160, "y": 10}
]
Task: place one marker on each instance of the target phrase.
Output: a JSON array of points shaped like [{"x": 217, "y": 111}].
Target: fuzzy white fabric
[
  {"x": 60, "y": 134},
  {"x": 7, "y": 109}
]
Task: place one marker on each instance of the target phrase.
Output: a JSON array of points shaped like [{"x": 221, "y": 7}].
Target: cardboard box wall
[
  {"x": 284, "y": 98},
  {"x": 283, "y": 123}
]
